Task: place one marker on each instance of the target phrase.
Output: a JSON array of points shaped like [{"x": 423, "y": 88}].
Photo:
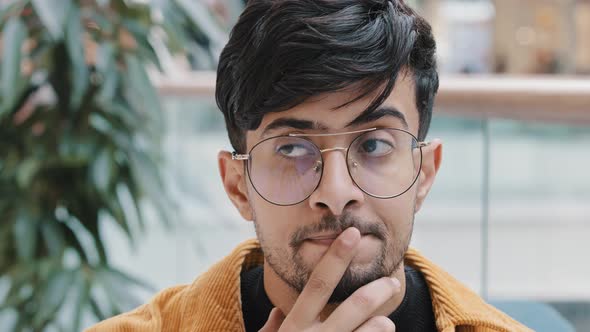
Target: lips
[
  {"x": 331, "y": 237},
  {"x": 323, "y": 237},
  {"x": 323, "y": 242}
]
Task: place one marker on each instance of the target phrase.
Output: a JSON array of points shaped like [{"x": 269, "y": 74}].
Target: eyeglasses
[{"x": 286, "y": 170}]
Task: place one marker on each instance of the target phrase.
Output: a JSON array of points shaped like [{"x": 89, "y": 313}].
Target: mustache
[{"x": 331, "y": 223}]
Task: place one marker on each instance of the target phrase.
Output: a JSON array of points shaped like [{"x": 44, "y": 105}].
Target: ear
[
  {"x": 234, "y": 183},
  {"x": 431, "y": 160}
]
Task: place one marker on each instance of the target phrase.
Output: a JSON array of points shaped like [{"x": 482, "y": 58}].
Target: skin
[{"x": 322, "y": 265}]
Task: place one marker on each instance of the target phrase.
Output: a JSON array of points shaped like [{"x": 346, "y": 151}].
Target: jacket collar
[{"x": 456, "y": 305}]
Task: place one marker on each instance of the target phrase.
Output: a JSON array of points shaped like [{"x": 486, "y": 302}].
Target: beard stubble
[{"x": 289, "y": 265}]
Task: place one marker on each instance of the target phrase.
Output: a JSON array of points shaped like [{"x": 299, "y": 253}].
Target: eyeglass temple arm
[
  {"x": 237, "y": 156},
  {"x": 423, "y": 144}
]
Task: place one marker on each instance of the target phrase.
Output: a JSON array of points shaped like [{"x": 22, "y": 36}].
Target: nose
[{"x": 336, "y": 190}]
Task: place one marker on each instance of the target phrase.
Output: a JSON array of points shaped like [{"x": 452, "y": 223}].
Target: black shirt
[{"x": 413, "y": 315}]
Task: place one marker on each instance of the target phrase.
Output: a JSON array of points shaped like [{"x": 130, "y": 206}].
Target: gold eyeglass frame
[{"x": 246, "y": 157}]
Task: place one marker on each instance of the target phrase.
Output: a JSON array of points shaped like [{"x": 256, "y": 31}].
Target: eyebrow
[
  {"x": 380, "y": 112},
  {"x": 294, "y": 123}
]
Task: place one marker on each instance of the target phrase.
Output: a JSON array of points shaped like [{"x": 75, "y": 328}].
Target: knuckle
[
  {"x": 362, "y": 299},
  {"x": 318, "y": 285}
]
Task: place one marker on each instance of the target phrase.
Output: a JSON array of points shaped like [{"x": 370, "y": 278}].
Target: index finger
[{"x": 324, "y": 278}]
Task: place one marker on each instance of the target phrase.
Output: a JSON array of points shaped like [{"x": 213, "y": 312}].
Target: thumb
[{"x": 275, "y": 319}]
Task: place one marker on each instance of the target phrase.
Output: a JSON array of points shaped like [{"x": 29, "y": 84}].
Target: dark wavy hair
[{"x": 281, "y": 52}]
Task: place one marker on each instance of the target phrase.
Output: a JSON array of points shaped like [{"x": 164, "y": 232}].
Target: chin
[{"x": 354, "y": 278}]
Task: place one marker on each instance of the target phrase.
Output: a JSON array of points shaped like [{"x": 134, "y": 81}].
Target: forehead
[{"x": 325, "y": 113}]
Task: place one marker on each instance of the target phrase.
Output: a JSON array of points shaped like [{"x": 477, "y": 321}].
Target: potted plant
[{"x": 80, "y": 130}]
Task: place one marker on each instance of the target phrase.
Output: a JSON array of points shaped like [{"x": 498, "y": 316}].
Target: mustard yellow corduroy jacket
[{"x": 213, "y": 301}]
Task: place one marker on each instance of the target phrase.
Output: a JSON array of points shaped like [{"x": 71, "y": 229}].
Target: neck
[{"x": 284, "y": 296}]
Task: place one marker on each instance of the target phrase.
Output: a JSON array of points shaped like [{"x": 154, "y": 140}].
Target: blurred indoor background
[{"x": 512, "y": 197}]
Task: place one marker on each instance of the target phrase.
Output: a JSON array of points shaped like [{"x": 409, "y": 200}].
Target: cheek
[
  {"x": 398, "y": 212},
  {"x": 275, "y": 224}
]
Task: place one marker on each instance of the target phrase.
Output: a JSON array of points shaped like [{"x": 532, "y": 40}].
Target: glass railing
[{"x": 509, "y": 214}]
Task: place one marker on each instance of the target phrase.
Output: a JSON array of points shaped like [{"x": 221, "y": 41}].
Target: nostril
[
  {"x": 350, "y": 203},
  {"x": 322, "y": 205}
]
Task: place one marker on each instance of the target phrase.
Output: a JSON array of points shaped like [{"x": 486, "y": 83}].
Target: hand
[{"x": 354, "y": 314}]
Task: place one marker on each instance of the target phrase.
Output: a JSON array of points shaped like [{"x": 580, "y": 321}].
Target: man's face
[{"x": 294, "y": 238}]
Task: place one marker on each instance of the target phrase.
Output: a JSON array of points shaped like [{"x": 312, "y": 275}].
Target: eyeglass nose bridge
[
  {"x": 334, "y": 149},
  {"x": 319, "y": 163}
]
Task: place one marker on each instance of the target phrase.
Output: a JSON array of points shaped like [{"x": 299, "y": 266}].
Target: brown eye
[
  {"x": 376, "y": 147},
  {"x": 293, "y": 150}
]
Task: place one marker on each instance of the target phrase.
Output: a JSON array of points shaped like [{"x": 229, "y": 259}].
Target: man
[{"x": 327, "y": 105}]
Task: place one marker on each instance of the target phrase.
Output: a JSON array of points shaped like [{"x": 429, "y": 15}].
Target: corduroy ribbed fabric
[{"x": 213, "y": 303}]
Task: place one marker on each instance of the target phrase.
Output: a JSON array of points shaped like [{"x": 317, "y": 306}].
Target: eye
[
  {"x": 293, "y": 150},
  {"x": 376, "y": 147}
]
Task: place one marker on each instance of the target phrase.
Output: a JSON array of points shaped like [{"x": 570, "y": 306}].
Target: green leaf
[
  {"x": 133, "y": 9},
  {"x": 13, "y": 36},
  {"x": 26, "y": 172},
  {"x": 106, "y": 66},
  {"x": 106, "y": 24},
  {"x": 20, "y": 277},
  {"x": 121, "y": 137},
  {"x": 98, "y": 313},
  {"x": 132, "y": 190},
  {"x": 109, "y": 88},
  {"x": 141, "y": 35},
  {"x": 99, "y": 244},
  {"x": 177, "y": 37},
  {"x": 103, "y": 3},
  {"x": 52, "y": 295},
  {"x": 75, "y": 47},
  {"x": 6, "y": 241},
  {"x": 74, "y": 242},
  {"x": 115, "y": 209},
  {"x": 148, "y": 177},
  {"x": 129, "y": 119},
  {"x": 25, "y": 233},
  {"x": 202, "y": 19},
  {"x": 82, "y": 287},
  {"x": 53, "y": 14},
  {"x": 101, "y": 170},
  {"x": 143, "y": 95},
  {"x": 53, "y": 237},
  {"x": 174, "y": 22},
  {"x": 106, "y": 57}
]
